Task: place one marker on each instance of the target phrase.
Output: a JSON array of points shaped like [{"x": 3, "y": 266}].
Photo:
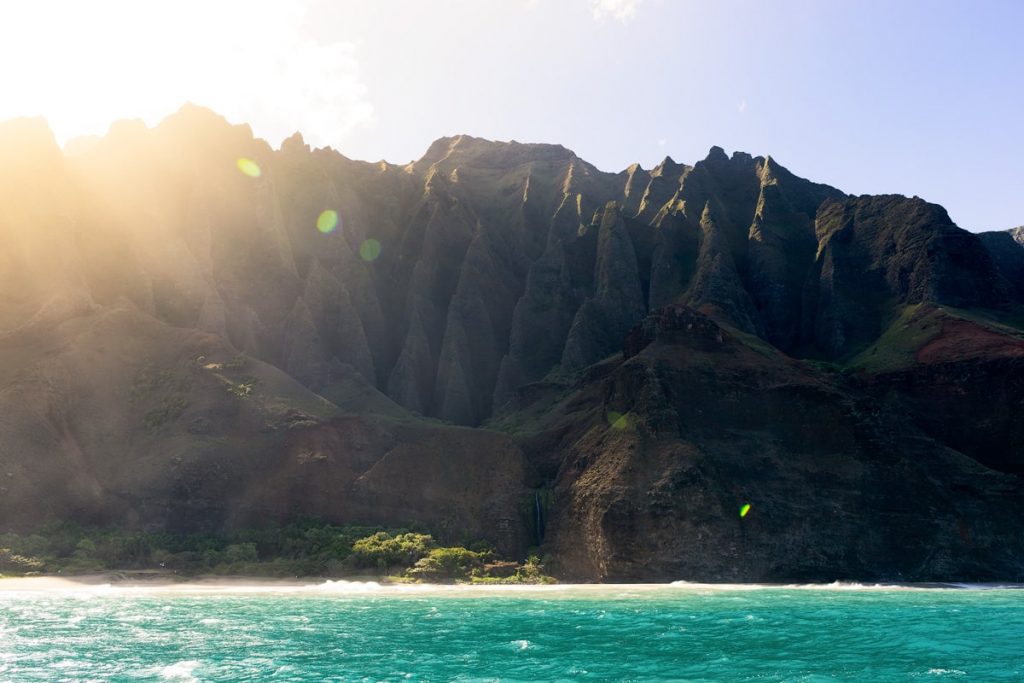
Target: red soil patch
[{"x": 962, "y": 339}]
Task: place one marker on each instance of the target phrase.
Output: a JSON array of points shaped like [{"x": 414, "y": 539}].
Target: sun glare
[{"x": 108, "y": 60}]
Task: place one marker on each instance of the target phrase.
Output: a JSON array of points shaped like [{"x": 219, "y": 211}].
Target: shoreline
[{"x": 138, "y": 582}]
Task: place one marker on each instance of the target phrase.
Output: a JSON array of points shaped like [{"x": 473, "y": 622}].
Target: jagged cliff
[{"x": 187, "y": 340}]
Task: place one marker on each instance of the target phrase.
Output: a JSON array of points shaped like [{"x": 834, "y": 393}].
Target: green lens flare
[
  {"x": 744, "y": 509},
  {"x": 248, "y": 167},
  {"x": 327, "y": 221},
  {"x": 369, "y": 250}
]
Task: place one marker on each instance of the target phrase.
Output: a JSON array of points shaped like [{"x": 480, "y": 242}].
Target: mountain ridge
[{"x": 503, "y": 287}]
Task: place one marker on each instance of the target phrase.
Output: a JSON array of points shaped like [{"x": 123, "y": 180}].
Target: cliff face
[
  {"x": 198, "y": 331},
  {"x": 662, "y": 453}
]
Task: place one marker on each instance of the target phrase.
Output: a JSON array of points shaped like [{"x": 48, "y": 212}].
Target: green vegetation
[
  {"x": 11, "y": 562},
  {"x": 551, "y": 392},
  {"x": 915, "y": 327},
  {"x": 448, "y": 563},
  {"x": 169, "y": 409},
  {"x": 531, "y": 571},
  {"x": 750, "y": 340},
  {"x": 898, "y": 345},
  {"x": 162, "y": 389},
  {"x": 299, "y": 549},
  {"x": 383, "y": 550},
  {"x": 919, "y": 324},
  {"x": 241, "y": 389},
  {"x": 149, "y": 382}
]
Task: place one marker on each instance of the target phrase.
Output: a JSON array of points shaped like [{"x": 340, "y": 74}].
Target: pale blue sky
[
  {"x": 921, "y": 98},
  {"x": 902, "y": 96}
]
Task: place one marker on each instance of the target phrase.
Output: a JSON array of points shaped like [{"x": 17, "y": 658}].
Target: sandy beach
[
  {"x": 144, "y": 582},
  {"x": 160, "y": 582}
]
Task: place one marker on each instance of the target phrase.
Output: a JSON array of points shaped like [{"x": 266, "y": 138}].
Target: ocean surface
[{"x": 362, "y": 632}]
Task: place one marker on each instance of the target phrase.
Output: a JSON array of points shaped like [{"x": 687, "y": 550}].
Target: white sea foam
[
  {"x": 180, "y": 671},
  {"x": 237, "y": 586},
  {"x": 835, "y": 586},
  {"x": 91, "y": 591},
  {"x": 345, "y": 587}
]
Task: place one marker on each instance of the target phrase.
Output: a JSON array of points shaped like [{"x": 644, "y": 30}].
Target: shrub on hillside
[
  {"x": 13, "y": 562},
  {"x": 447, "y": 563},
  {"x": 383, "y": 550}
]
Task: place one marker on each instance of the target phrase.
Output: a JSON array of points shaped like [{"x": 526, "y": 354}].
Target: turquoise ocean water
[{"x": 337, "y": 632}]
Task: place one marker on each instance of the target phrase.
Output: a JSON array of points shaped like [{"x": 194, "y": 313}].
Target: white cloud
[
  {"x": 83, "y": 65},
  {"x": 742, "y": 106},
  {"x": 620, "y": 10}
]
